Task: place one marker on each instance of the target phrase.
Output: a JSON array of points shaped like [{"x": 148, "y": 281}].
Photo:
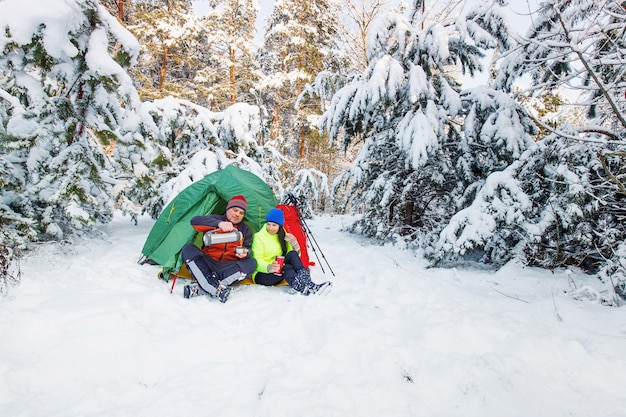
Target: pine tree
[
  {"x": 565, "y": 195},
  {"x": 579, "y": 46},
  {"x": 576, "y": 45},
  {"x": 230, "y": 71},
  {"x": 122, "y": 9},
  {"x": 299, "y": 43},
  {"x": 64, "y": 93},
  {"x": 552, "y": 208},
  {"x": 310, "y": 188},
  {"x": 181, "y": 142},
  {"x": 169, "y": 136},
  {"x": 75, "y": 141},
  {"x": 561, "y": 204},
  {"x": 167, "y": 31},
  {"x": 426, "y": 145}
]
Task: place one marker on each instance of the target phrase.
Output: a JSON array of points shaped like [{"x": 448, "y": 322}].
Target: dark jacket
[{"x": 222, "y": 251}]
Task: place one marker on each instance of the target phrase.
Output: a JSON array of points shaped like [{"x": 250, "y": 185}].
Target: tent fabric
[{"x": 210, "y": 195}]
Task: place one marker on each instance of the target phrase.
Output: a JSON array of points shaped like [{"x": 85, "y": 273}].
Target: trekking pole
[
  {"x": 309, "y": 233},
  {"x": 311, "y": 239},
  {"x": 320, "y": 249}
]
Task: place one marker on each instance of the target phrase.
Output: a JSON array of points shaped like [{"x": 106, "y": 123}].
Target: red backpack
[{"x": 293, "y": 225}]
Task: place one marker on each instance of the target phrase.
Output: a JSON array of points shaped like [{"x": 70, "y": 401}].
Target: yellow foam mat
[{"x": 185, "y": 274}]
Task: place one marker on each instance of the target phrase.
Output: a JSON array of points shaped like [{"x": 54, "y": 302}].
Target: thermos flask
[{"x": 211, "y": 238}]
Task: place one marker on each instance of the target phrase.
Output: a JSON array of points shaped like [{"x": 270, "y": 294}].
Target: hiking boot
[
  {"x": 193, "y": 290},
  {"x": 320, "y": 289},
  {"x": 302, "y": 281},
  {"x": 205, "y": 284},
  {"x": 223, "y": 293}
]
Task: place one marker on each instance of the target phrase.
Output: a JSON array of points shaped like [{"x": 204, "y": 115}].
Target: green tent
[{"x": 172, "y": 229}]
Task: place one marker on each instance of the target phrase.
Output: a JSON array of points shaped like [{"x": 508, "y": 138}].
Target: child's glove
[{"x": 293, "y": 241}]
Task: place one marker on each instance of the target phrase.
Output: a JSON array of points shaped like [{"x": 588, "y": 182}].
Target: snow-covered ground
[{"x": 89, "y": 332}]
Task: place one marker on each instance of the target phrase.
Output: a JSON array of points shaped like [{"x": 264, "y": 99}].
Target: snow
[
  {"x": 201, "y": 164},
  {"x": 89, "y": 332},
  {"x": 59, "y": 18},
  {"x": 98, "y": 44}
]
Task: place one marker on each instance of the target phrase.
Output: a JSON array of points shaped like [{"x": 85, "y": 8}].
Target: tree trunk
[
  {"x": 163, "y": 68},
  {"x": 275, "y": 124},
  {"x": 80, "y": 125},
  {"x": 232, "y": 75},
  {"x": 301, "y": 142},
  {"x": 298, "y": 91}
]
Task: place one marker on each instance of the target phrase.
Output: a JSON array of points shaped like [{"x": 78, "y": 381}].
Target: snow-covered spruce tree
[
  {"x": 169, "y": 136},
  {"x": 191, "y": 142},
  {"x": 427, "y": 145},
  {"x": 575, "y": 178},
  {"x": 527, "y": 209},
  {"x": 15, "y": 228},
  {"x": 311, "y": 191},
  {"x": 576, "y": 46},
  {"x": 63, "y": 94}
]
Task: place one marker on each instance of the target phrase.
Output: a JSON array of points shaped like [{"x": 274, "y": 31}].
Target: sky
[{"x": 89, "y": 332}]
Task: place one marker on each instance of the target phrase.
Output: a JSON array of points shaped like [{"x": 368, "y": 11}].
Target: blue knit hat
[{"x": 276, "y": 216}]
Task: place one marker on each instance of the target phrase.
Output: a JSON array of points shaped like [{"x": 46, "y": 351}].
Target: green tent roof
[{"x": 172, "y": 229}]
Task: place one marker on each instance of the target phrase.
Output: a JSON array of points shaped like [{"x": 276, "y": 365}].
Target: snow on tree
[
  {"x": 427, "y": 146},
  {"x": 553, "y": 207},
  {"x": 63, "y": 94},
  {"x": 561, "y": 204},
  {"x": 578, "y": 47},
  {"x": 183, "y": 142},
  {"x": 310, "y": 188},
  {"x": 122, "y": 9},
  {"x": 76, "y": 141}
]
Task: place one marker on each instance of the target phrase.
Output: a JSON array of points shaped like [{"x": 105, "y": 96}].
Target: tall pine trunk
[{"x": 163, "y": 68}]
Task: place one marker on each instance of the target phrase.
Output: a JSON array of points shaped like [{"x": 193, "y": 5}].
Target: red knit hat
[{"x": 237, "y": 201}]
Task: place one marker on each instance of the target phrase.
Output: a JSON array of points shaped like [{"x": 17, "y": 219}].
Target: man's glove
[{"x": 293, "y": 241}]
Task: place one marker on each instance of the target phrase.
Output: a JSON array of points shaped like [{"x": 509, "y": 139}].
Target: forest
[{"x": 367, "y": 107}]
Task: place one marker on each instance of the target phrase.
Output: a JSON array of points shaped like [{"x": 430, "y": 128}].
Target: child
[{"x": 272, "y": 241}]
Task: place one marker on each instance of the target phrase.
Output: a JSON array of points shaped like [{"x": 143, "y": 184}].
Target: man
[{"x": 217, "y": 266}]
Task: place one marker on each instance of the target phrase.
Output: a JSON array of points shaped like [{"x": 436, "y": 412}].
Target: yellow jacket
[{"x": 265, "y": 249}]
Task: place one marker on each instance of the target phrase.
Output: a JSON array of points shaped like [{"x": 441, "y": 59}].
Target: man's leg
[
  {"x": 199, "y": 264},
  {"x": 231, "y": 272}
]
